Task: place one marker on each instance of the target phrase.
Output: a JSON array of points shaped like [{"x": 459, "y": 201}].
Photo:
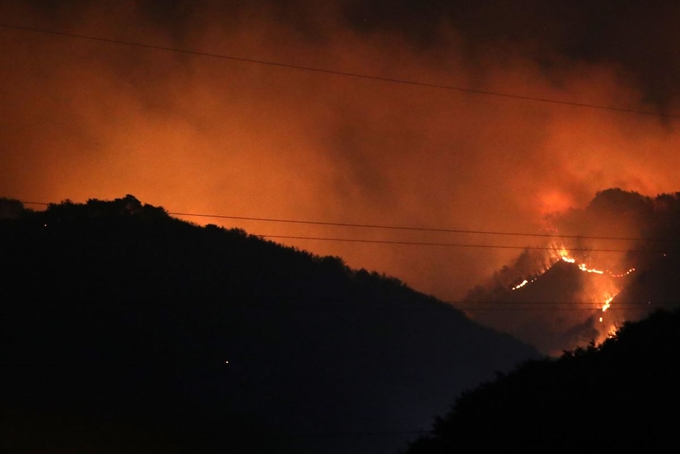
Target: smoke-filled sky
[{"x": 84, "y": 119}]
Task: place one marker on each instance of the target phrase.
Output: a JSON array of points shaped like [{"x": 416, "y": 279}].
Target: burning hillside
[{"x": 581, "y": 286}]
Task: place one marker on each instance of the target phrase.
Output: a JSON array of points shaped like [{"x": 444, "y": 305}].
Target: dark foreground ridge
[
  {"x": 125, "y": 330},
  {"x": 615, "y": 397}
]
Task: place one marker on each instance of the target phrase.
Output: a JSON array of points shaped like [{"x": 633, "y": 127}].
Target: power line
[
  {"x": 247, "y": 436},
  {"x": 490, "y": 305},
  {"x": 340, "y": 73},
  {"x": 557, "y": 306},
  {"x": 397, "y": 304},
  {"x": 550, "y": 309},
  {"x": 465, "y": 306},
  {"x": 34, "y": 203},
  {"x": 411, "y": 228},
  {"x": 467, "y": 245},
  {"x": 357, "y": 434},
  {"x": 423, "y": 229},
  {"x": 556, "y": 303}
]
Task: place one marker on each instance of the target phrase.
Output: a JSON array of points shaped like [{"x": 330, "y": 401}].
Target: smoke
[{"x": 85, "y": 119}]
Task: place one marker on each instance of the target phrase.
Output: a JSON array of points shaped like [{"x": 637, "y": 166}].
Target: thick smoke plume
[{"x": 86, "y": 119}]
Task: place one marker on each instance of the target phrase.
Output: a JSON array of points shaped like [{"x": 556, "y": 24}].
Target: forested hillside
[
  {"x": 615, "y": 397},
  {"x": 125, "y": 330}
]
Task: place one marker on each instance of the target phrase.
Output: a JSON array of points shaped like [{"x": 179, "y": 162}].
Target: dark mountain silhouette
[
  {"x": 619, "y": 396},
  {"x": 625, "y": 260},
  {"x": 125, "y": 330}
]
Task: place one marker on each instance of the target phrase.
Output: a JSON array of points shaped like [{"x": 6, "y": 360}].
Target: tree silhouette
[{"x": 619, "y": 395}]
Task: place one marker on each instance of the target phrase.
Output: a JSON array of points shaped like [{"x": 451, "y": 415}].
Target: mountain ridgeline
[{"x": 126, "y": 330}]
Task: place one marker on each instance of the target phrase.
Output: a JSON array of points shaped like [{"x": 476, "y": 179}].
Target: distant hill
[
  {"x": 125, "y": 330},
  {"x": 617, "y": 397},
  {"x": 615, "y": 260}
]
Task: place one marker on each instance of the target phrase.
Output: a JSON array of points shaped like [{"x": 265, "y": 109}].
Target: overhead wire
[
  {"x": 339, "y": 72},
  {"x": 423, "y": 229},
  {"x": 463, "y": 245},
  {"x": 409, "y": 228},
  {"x": 556, "y": 306},
  {"x": 491, "y": 305},
  {"x": 471, "y": 306},
  {"x": 461, "y": 305},
  {"x": 247, "y": 436}
]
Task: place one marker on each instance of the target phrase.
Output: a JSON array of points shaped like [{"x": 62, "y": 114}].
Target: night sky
[{"x": 84, "y": 119}]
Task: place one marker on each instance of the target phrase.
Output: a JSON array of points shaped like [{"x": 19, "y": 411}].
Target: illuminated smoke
[{"x": 84, "y": 119}]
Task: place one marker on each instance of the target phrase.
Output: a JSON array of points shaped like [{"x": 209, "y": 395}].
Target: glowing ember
[
  {"x": 607, "y": 304},
  {"x": 612, "y": 331},
  {"x": 622, "y": 274},
  {"x": 520, "y": 285},
  {"x": 584, "y": 267},
  {"x": 565, "y": 256}
]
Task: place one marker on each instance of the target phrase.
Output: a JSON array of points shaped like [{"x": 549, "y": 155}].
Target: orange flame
[{"x": 521, "y": 284}]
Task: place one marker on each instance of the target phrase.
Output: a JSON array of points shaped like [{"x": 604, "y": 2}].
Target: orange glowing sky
[{"x": 83, "y": 119}]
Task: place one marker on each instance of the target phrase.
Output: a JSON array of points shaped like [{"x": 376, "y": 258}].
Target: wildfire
[
  {"x": 597, "y": 292},
  {"x": 612, "y": 331},
  {"x": 566, "y": 257},
  {"x": 607, "y": 304},
  {"x": 561, "y": 253},
  {"x": 584, "y": 267},
  {"x": 521, "y": 284},
  {"x": 609, "y": 291},
  {"x": 622, "y": 274}
]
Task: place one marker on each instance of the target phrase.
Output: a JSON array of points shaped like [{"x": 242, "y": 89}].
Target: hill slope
[
  {"x": 619, "y": 396},
  {"x": 127, "y": 330}
]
